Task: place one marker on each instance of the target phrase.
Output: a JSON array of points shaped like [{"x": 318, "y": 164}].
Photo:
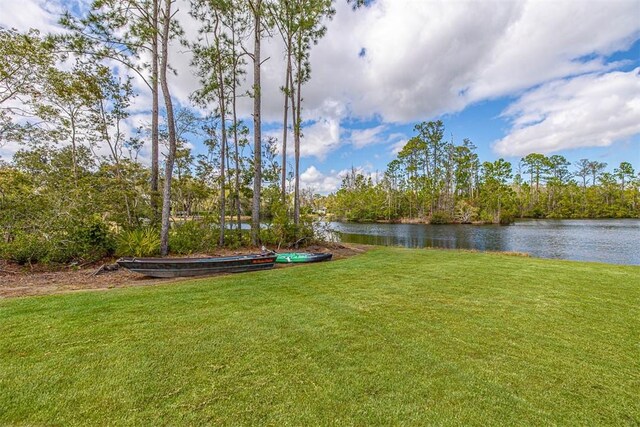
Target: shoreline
[
  {"x": 18, "y": 281},
  {"x": 426, "y": 222}
]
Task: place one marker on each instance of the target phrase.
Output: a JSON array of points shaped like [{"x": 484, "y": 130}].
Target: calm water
[{"x": 615, "y": 241}]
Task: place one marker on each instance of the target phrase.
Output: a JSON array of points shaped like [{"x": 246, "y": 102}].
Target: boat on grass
[
  {"x": 187, "y": 267},
  {"x": 303, "y": 257}
]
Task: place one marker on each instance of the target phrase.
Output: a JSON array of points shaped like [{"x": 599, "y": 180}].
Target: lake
[{"x": 614, "y": 241}]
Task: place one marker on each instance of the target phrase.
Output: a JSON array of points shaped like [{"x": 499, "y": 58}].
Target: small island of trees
[{"x": 437, "y": 181}]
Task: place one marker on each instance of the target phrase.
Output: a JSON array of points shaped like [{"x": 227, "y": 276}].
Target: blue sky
[{"x": 556, "y": 77}]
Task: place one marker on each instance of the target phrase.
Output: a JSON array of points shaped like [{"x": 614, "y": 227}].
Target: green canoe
[{"x": 299, "y": 257}]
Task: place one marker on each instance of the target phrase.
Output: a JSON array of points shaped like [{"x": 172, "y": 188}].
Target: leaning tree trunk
[
  {"x": 257, "y": 136},
  {"x": 166, "y": 194}
]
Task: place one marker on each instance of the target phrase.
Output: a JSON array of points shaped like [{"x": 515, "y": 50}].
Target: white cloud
[
  {"x": 320, "y": 138},
  {"x": 319, "y": 182},
  {"x": 587, "y": 111},
  {"x": 551, "y": 40},
  {"x": 398, "y": 146},
  {"x": 423, "y": 59},
  {"x": 362, "y": 137},
  {"x": 25, "y": 14},
  {"x": 426, "y": 58},
  {"x": 326, "y": 183}
]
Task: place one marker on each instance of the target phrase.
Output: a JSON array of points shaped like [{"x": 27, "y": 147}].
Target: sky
[{"x": 514, "y": 77}]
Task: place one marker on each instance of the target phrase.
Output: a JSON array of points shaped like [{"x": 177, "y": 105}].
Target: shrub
[
  {"x": 193, "y": 236},
  {"x": 25, "y": 249},
  {"x": 288, "y": 235},
  {"x": 466, "y": 212},
  {"x": 440, "y": 218},
  {"x": 86, "y": 240},
  {"x": 506, "y": 219},
  {"x": 537, "y": 212},
  {"x": 282, "y": 231},
  {"x": 139, "y": 242},
  {"x": 487, "y": 217},
  {"x": 89, "y": 240},
  {"x": 235, "y": 240}
]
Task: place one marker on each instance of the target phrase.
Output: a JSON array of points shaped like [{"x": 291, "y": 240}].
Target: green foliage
[
  {"x": 440, "y": 218},
  {"x": 25, "y": 249},
  {"x": 193, "y": 237},
  {"x": 360, "y": 200},
  {"x": 77, "y": 241},
  {"x": 281, "y": 231},
  {"x": 25, "y": 60},
  {"x": 431, "y": 177},
  {"x": 82, "y": 241},
  {"x": 486, "y": 217},
  {"x": 506, "y": 218},
  {"x": 237, "y": 239},
  {"x": 139, "y": 242},
  {"x": 59, "y": 199},
  {"x": 465, "y": 212}
]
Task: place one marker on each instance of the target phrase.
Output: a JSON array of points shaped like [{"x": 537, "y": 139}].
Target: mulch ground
[{"x": 19, "y": 281}]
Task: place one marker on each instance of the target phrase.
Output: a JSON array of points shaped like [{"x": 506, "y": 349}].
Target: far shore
[{"x": 426, "y": 221}]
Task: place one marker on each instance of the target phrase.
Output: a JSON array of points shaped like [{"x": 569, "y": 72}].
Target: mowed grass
[{"x": 392, "y": 336}]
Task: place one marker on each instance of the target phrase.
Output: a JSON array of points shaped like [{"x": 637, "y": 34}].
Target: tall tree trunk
[
  {"x": 284, "y": 130},
  {"x": 257, "y": 134},
  {"x": 296, "y": 196},
  {"x": 292, "y": 101},
  {"x": 74, "y": 152},
  {"x": 166, "y": 194},
  {"x": 223, "y": 149},
  {"x": 154, "y": 113},
  {"x": 236, "y": 155}
]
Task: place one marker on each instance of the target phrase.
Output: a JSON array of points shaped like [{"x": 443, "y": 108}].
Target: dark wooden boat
[{"x": 185, "y": 267}]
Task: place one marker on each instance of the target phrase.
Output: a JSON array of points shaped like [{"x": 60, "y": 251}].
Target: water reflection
[{"x": 611, "y": 241}]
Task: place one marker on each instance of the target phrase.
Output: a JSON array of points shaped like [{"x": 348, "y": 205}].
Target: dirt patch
[{"x": 19, "y": 281}]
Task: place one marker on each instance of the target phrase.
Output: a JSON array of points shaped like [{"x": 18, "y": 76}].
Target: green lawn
[{"x": 392, "y": 336}]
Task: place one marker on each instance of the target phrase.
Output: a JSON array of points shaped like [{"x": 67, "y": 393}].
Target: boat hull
[
  {"x": 302, "y": 257},
  {"x": 189, "y": 267}
]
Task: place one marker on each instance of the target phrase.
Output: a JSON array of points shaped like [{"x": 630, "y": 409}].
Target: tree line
[
  {"x": 78, "y": 174},
  {"x": 78, "y": 189},
  {"x": 432, "y": 179}
]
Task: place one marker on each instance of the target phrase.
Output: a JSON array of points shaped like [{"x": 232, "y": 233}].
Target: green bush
[
  {"x": 537, "y": 212},
  {"x": 466, "y": 212},
  {"x": 139, "y": 242},
  {"x": 487, "y": 217},
  {"x": 506, "y": 219},
  {"x": 235, "y": 240},
  {"x": 282, "y": 231},
  {"x": 192, "y": 237},
  {"x": 84, "y": 241},
  {"x": 88, "y": 240},
  {"x": 26, "y": 249},
  {"x": 440, "y": 218}
]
